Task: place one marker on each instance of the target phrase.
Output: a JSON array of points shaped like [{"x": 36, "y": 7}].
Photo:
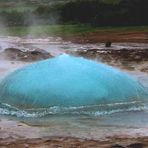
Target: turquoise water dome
[{"x": 68, "y": 81}]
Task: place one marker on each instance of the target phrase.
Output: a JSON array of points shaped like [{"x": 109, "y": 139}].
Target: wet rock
[
  {"x": 144, "y": 69},
  {"x": 27, "y": 56},
  {"x": 136, "y": 145},
  {"x": 125, "y": 58},
  {"x": 117, "y": 146},
  {"x": 122, "y": 54}
]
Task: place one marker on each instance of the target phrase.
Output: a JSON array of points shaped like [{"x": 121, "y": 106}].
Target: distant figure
[{"x": 108, "y": 44}]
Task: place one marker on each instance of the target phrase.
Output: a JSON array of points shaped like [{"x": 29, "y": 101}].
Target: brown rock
[
  {"x": 136, "y": 145},
  {"x": 27, "y": 56}
]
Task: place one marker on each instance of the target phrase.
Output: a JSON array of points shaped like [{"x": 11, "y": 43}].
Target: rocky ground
[
  {"x": 129, "y": 59},
  {"x": 69, "y": 142},
  {"x": 14, "y": 134},
  {"x": 14, "y": 54},
  {"x": 104, "y": 36}
]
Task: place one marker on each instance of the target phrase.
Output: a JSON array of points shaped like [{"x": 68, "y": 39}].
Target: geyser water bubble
[{"x": 67, "y": 81}]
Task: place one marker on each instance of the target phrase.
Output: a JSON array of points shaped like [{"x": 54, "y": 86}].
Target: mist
[{"x": 23, "y": 22}]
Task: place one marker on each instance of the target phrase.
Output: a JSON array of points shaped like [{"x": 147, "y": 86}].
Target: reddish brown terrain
[
  {"x": 103, "y": 36},
  {"x": 68, "y": 142}
]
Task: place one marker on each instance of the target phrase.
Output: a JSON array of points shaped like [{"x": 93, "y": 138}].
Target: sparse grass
[
  {"x": 65, "y": 30},
  {"x": 49, "y": 30},
  {"x": 111, "y": 1},
  {"x": 18, "y": 8},
  {"x": 123, "y": 29}
]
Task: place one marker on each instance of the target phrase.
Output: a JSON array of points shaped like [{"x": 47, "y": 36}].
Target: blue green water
[{"x": 67, "y": 85}]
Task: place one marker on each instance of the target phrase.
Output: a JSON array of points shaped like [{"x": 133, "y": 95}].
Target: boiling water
[{"x": 70, "y": 85}]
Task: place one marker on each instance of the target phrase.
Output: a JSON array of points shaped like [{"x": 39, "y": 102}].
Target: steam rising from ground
[
  {"x": 13, "y": 20},
  {"x": 3, "y": 29}
]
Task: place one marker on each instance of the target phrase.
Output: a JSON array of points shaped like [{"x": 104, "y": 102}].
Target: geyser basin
[{"x": 68, "y": 81}]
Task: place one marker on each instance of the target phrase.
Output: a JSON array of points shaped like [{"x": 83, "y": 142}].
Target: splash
[{"x": 68, "y": 81}]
